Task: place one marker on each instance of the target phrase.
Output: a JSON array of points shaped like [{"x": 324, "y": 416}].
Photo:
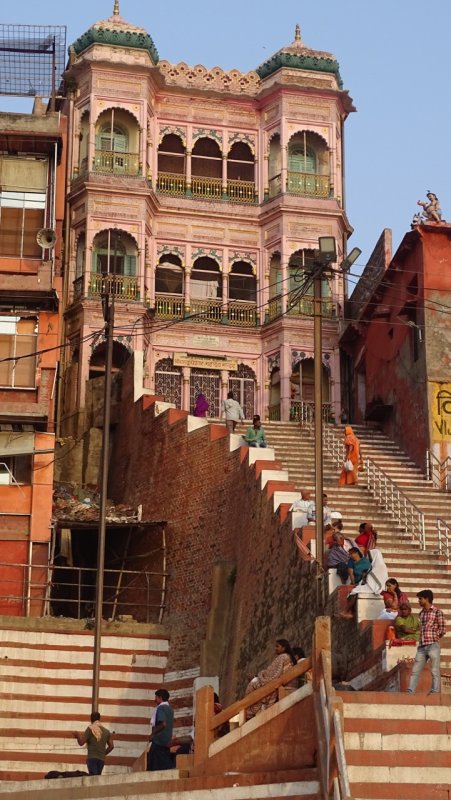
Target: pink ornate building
[{"x": 198, "y": 196}]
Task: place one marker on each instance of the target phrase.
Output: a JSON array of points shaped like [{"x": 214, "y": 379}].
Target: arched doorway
[
  {"x": 168, "y": 381},
  {"x": 242, "y": 384},
  {"x": 208, "y": 382}
]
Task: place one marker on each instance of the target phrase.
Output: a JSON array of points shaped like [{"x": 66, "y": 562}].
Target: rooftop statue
[{"x": 431, "y": 208}]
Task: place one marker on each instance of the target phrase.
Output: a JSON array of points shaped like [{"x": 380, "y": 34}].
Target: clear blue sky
[{"x": 394, "y": 60}]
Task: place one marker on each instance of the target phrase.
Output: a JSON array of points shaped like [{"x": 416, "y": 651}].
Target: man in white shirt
[
  {"x": 305, "y": 508},
  {"x": 233, "y": 412}
]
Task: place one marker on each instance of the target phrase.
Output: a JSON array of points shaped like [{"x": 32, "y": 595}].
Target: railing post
[
  {"x": 321, "y": 641},
  {"x": 204, "y": 714}
]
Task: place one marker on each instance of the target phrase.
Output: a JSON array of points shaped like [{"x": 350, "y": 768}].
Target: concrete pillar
[{"x": 285, "y": 372}]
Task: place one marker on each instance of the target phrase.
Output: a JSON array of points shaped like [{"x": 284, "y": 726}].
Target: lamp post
[{"x": 325, "y": 256}]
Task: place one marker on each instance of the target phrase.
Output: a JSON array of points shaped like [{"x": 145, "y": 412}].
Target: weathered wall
[{"x": 216, "y": 512}]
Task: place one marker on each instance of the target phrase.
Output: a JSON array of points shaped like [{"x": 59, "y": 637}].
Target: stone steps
[
  {"x": 46, "y": 688},
  {"x": 397, "y": 746}
]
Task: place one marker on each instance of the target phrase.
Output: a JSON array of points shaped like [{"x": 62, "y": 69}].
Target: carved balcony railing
[
  {"x": 206, "y": 311},
  {"x": 207, "y": 188},
  {"x": 241, "y": 191},
  {"x": 274, "y": 308},
  {"x": 124, "y": 287},
  {"x": 110, "y": 163},
  {"x": 169, "y": 306},
  {"x": 308, "y": 184},
  {"x": 243, "y": 314},
  {"x": 304, "y": 307},
  {"x": 171, "y": 183}
]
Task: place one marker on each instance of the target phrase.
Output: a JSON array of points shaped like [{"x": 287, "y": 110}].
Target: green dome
[
  {"x": 298, "y": 56},
  {"x": 116, "y": 31}
]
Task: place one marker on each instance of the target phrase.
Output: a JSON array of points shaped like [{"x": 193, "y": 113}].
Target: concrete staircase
[
  {"x": 414, "y": 568},
  {"x": 397, "y": 746},
  {"x": 172, "y": 785},
  {"x": 46, "y": 674}
]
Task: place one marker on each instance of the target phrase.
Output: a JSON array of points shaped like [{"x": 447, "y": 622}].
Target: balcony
[
  {"x": 242, "y": 314},
  {"x": 124, "y": 287},
  {"x": 171, "y": 183},
  {"x": 169, "y": 306},
  {"x": 274, "y": 308},
  {"x": 308, "y": 184},
  {"x": 110, "y": 163},
  {"x": 305, "y": 308},
  {"x": 206, "y": 311},
  {"x": 206, "y": 188},
  {"x": 241, "y": 191}
]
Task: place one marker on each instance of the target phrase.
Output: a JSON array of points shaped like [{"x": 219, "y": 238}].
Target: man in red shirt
[{"x": 432, "y": 628}]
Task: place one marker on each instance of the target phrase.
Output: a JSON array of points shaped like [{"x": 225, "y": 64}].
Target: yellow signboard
[
  {"x": 204, "y": 362},
  {"x": 440, "y": 394}
]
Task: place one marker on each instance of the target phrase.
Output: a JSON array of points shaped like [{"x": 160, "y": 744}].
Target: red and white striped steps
[{"x": 398, "y": 746}]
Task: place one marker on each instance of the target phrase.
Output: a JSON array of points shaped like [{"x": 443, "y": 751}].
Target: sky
[{"x": 394, "y": 61}]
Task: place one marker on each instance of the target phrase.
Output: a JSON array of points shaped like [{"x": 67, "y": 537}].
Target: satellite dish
[{"x": 46, "y": 238}]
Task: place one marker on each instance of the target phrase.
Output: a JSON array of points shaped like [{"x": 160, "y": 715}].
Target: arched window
[
  {"x": 242, "y": 282},
  {"x": 114, "y": 252},
  {"x": 240, "y": 162},
  {"x": 117, "y": 143},
  {"x": 113, "y": 138},
  {"x": 308, "y": 165},
  {"x": 171, "y": 155},
  {"x": 83, "y": 144},
  {"x": 206, "y": 159},
  {"x": 206, "y": 279},
  {"x": 97, "y": 361},
  {"x": 169, "y": 275}
]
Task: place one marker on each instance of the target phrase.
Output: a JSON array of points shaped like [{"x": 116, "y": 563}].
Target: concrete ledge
[
  {"x": 273, "y": 475},
  {"x": 193, "y": 423},
  {"x": 284, "y": 497}
]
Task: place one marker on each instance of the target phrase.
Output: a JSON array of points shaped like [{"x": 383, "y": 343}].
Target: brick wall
[{"x": 215, "y": 511}]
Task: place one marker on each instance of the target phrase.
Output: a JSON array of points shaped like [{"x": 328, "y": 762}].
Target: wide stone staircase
[
  {"x": 397, "y": 745},
  {"x": 414, "y": 568},
  {"x": 46, "y": 684}
]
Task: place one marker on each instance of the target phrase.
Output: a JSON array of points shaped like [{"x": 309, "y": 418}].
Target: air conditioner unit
[{"x": 5, "y": 477}]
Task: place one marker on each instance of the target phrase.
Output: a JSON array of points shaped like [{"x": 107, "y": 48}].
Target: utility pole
[
  {"x": 318, "y": 410},
  {"x": 108, "y": 316}
]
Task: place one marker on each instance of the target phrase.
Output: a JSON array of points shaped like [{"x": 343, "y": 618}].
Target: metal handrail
[
  {"x": 439, "y": 472},
  {"x": 387, "y": 493},
  {"x": 444, "y": 539}
]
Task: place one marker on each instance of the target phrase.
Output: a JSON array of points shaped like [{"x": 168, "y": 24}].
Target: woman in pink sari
[{"x": 352, "y": 448}]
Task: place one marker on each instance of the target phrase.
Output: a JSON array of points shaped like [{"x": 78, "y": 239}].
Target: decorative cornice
[{"x": 216, "y": 79}]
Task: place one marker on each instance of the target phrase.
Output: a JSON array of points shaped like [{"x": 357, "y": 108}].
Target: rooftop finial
[
  {"x": 116, "y": 8},
  {"x": 297, "y": 33}
]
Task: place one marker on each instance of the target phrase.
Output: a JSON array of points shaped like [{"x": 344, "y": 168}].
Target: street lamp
[{"x": 324, "y": 257}]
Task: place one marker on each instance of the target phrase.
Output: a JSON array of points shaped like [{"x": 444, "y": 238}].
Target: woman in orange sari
[{"x": 352, "y": 447}]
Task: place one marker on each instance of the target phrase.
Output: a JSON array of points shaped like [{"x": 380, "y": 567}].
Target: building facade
[
  {"x": 197, "y": 197},
  {"x": 32, "y": 188},
  {"x": 398, "y": 347}
]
